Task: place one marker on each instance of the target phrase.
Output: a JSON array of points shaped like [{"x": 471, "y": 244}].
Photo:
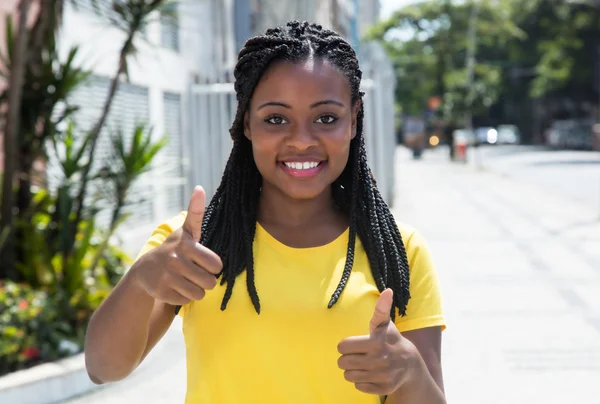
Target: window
[
  {"x": 129, "y": 107},
  {"x": 173, "y": 155},
  {"x": 169, "y": 28},
  {"x": 102, "y": 8}
]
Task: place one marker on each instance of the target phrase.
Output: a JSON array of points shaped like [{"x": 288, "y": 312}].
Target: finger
[
  {"x": 358, "y": 376},
  {"x": 195, "y": 274},
  {"x": 383, "y": 307},
  {"x": 175, "y": 298},
  {"x": 355, "y": 362},
  {"x": 356, "y": 345},
  {"x": 204, "y": 257},
  {"x": 187, "y": 289},
  {"x": 195, "y": 214},
  {"x": 369, "y": 388}
]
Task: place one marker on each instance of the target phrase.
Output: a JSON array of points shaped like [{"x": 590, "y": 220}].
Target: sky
[{"x": 389, "y": 6}]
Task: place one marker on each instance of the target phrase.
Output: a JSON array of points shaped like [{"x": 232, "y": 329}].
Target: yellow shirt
[{"x": 288, "y": 353}]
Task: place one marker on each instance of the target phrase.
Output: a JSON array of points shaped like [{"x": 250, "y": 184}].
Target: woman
[{"x": 315, "y": 301}]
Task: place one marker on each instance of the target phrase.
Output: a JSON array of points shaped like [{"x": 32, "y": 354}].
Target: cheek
[
  {"x": 338, "y": 145},
  {"x": 264, "y": 151}
]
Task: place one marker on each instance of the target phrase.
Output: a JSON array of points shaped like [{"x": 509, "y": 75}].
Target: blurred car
[
  {"x": 464, "y": 135},
  {"x": 577, "y": 134},
  {"x": 486, "y": 134},
  {"x": 508, "y": 134},
  {"x": 414, "y": 135}
]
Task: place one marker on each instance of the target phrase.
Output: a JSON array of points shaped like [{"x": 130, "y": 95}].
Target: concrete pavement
[
  {"x": 575, "y": 174},
  {"x": 520, "y": 274}
]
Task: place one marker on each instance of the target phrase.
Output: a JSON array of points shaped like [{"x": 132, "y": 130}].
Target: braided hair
[{"x": 235, "y": 202}]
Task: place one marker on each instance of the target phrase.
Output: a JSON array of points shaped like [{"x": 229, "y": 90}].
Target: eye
[
  {"x": 276, "y": 120},
  {"x": 327, "y": 119}
]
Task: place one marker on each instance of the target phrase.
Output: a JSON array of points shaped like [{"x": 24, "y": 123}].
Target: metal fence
[{"x": 212, "y": 109}]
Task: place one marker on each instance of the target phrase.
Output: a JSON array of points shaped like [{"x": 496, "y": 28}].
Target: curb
[
  {"x": 67, "y": 379},
  {"x": 47, "y": 383}
]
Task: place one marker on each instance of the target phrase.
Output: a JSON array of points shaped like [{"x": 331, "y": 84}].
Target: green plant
[
  {"x": 31, "y": 328},
  {"x": 124, "y": 168},
  {"x": 67, "y": 260}
]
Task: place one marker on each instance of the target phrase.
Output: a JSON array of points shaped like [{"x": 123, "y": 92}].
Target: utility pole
[{"x": 470, "y": 64}]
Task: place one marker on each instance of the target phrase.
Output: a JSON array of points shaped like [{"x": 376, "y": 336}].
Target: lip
[
  {"x": 311, "y": 172},
  {"x": 298, "y": 159}
]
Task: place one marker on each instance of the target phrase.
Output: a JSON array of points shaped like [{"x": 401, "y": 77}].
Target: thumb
[
  {"x": 383, "y": 307},
  {"x": 195, "y": 214}
]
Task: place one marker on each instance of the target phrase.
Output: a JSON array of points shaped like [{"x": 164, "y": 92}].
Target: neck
[{"x": 278, "y": 209}]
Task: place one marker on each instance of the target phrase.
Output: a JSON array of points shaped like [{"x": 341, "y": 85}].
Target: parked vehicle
[
  {"x": 486, "y": 135},
  {"x": 414, "y": 135},
  {"x": 571, "y": 134},
  {"x": 508, "y": 134},
  {"x": 464, "y": 135}
]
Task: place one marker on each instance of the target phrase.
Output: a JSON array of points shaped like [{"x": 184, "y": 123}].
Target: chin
[{"x": 299, "y": 193}]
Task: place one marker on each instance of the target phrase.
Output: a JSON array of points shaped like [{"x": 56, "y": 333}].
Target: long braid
[{"x": 230, "y": 220}]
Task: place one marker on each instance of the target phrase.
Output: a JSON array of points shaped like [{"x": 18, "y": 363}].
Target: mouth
[{"x": 302, "y": 169}]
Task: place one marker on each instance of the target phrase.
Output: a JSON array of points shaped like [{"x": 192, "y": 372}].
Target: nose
[{"x": 302, "y": 137}]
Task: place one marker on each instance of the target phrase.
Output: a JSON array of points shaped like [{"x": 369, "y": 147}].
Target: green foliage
[
  {"x": 548, "y": 46},
  {"x": 431, "y": 57},
  {"x": 68, "y": 259},
  {"x": 33, "y": 328}
]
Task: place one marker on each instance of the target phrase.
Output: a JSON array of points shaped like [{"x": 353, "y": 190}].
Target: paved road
[
  {"x": 520, "y": 272},
  {"x": 575, "y": 174}
]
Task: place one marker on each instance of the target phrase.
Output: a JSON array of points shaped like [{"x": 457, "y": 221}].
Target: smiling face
[{"x": 300, "y": 122}]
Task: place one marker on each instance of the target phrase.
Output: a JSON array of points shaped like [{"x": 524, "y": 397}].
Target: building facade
[
  {"x": 172, "y": 53},
  {"x": 180, "y": 82}
]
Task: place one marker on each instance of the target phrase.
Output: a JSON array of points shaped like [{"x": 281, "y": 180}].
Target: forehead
[{"x": 309, "y": 80}]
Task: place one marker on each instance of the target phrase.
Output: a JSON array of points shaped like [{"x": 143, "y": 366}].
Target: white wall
[{"x": 158, "y": 69}]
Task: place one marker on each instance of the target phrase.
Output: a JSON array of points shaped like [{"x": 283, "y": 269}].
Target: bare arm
[
  {"x": 427, "y": 385},
  {"x": 138, "y": 312},
  {"x": 124, "y": 329}
]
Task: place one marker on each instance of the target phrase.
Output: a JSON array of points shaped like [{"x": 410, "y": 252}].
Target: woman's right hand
[{"x": 180, "y": 269}]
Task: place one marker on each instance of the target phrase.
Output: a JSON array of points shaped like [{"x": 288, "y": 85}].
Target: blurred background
[{"x": 482, "y": 123}]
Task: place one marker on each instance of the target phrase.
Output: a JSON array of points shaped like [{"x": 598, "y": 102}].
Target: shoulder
[
  {"x": 162, "y": 231},
  {"x": 411, "y": 237},
  {"x": 406, "y": 230},
  {"x": 425, "y": 305},
  {"x": 417, "y": 250},
  {"x": 174, "y": 222}
]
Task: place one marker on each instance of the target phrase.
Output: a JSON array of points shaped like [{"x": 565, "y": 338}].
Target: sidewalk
[
  {"x": 520, "y": 274},
  {"x": 570, "y": 172}
]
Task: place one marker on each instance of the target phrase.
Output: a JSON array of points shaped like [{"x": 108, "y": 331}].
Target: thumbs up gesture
[
  {"x": 378, "y": 363},
  {"x": 181, "y": 269}
]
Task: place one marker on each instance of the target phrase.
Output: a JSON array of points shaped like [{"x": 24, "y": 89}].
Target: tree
[
  {"x": 45, "y": 82},
  {"x": 15, "y": 84},
  {"x": 132, "y": 17},
  {"x": 433, "y": 60},
  {"x": 540, "y": 51}
]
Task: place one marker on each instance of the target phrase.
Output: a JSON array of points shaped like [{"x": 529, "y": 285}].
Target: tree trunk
[
  {"x": 44, "y": 29},
  {"x": 15, "y": 91},
  {"x": 95, "y": 134}
]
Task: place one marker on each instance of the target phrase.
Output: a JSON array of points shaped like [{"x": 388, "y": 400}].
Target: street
[
  {"x": 519, "y": 265},
  {"x": 575, "y": 174}
]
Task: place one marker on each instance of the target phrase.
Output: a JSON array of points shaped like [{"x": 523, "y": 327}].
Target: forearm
[
  {"x": 118, "y": 332},
  {"x": 420, "y": 388}
]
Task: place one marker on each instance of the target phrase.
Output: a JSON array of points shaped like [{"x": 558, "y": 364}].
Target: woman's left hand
[{"x": 381, "y": 362}]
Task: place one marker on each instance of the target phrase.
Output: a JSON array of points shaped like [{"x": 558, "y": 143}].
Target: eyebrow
[{"x": 316, "y": 104}]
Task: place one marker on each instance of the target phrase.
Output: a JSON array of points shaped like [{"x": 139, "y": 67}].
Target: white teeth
[{"x": 307, "y": 165}]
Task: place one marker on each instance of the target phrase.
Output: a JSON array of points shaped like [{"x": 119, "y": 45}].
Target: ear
[
  {"x": 247, "y": 125},
  {"x": 355, "y": 110}
]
